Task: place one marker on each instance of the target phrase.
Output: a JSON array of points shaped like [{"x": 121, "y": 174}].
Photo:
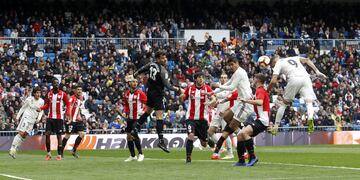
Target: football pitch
[{"x": 281, "y": 162}]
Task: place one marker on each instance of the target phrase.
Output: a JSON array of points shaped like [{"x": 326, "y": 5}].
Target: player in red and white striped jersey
[
  {"x": 74, "y": 122},
  {"x": 134, "y": 107},
  {"x": 55, "y": 102},
  {"x": 199, "y": 96},
  {"x": 262, "y": 109}
]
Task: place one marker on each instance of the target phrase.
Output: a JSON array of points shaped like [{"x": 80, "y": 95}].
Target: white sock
[
  {"x": 229, "y": 145},
  {"x": 280, "y": 113},
  {"x": 214, "y": 138},
  {"x": 310, "y": 110},
  {"x": 17, "y": 142}
]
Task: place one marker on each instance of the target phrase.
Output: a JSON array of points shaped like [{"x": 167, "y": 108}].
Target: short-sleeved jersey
[
  {"x": 73, "y": 109},
  {"x": 263, "y": 112},
  {"x": 290, "y": 67},
  {"x": 134, "y": 103},
  {"x": 198, "y": 98}
]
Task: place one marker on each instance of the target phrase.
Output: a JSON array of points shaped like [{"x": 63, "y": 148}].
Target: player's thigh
[
  {"x": 307, "y": 91},
  {"x": 25, "y": 125},
  {"x": 201, "y": 130},
  {"x": 129, "y": 126},
  {"x": 78, "y": 127},
  {"x": 292, "y": 88},
  {"x": 228, "y": 115},
  {"x": 257, "y": 128},
  {"x": 156, "y": 101},
  {"x": 58, "y": 126},
  {"x": 50, "y": 125},
  {"x": 190, "y": 127},
  {"x": 242, "y": 113},
  {"x": 216, "y": 121}
]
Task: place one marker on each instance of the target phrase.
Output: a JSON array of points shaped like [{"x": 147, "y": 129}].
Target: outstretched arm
[
  {"x": 142, "y": 69},
  {"x": 273, "y": 81},
  {"x": 308, "y": 62}
]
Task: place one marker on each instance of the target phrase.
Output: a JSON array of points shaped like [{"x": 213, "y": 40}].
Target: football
[{"x": 263, "y": 61}]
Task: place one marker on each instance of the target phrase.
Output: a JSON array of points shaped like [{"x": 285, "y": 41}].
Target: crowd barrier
[
  {"x": 118, "y": 141},
  {"x": 124, "y": 43}
]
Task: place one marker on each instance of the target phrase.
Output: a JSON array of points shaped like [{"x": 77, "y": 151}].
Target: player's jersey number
[
  {"x": 293, "y": 62},
  {"x": 153, "y": 72}
]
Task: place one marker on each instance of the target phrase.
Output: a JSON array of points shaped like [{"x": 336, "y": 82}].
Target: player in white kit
[
  {"x": 240, "y": 81},
  {"x": 225, "y": 101},
  {"x": 29, "y": 116},
  {"x": 298, "y": 81}
]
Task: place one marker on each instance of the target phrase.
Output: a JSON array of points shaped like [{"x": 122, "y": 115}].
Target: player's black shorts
[
  {"x": 130, "y": 125},
  {"x": 55, "y": 126},
  {"x": 74, "y": 127},
  {"x": 258, "y": 127},
  {"x": 155, "y": 100},
  {"x": 198, "y": 127}
]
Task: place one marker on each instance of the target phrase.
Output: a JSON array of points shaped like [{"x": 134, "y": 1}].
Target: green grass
[{"x": 282, "y": 162}]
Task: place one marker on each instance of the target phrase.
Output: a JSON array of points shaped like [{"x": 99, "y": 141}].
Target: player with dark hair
[
  {"x": 74, "y": 123},
  {"x": 239, "y": 113},
  {"x": 200, "y": 96},
  {"x": 29, "y": 116},
  {"x": 134, "y": 102},
  {"x": 158, "y": 79},
  {"x": 298, "y": 81},
  {"x": 55, "y": 102},
  {"x": 262, "y": 109}
]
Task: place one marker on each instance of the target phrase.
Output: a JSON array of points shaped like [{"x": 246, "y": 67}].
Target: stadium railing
[
  {"x": 124, "y": 43},
  {"x": 120, "y": 43},
  {"x": 183, "y": 130}
]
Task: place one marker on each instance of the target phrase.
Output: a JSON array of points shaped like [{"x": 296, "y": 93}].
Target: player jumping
[
  {"x": 158, "y": 79},
  {"x": 298, "y": 82}
]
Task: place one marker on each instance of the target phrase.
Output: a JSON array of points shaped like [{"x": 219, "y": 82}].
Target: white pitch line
[
  {"x": 273, "y": 163},
  {"x": 14, "y": 177}
]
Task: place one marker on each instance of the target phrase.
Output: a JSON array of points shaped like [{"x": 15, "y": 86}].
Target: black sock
[
  {"x": 64, "y": 141},
  {"x": 249, "y": 144},
  {"x": 241, "y": 151},
  {"x": 77, "y": 143},
  {"x": 143, "y": 118},
  {"x": 138, "y": 146},
  {"x": 59, "y": 149},
  {"x": 47, "y": 142},
  {"x": 189, "y": 147},
  {"x": 211, "y": 143},
  {"x": 160, "y": 129},
  {"x": 131, "y": 148},
  {"x": 219, "y": 144}
]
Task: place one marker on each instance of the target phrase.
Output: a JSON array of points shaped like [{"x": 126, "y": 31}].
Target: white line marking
[
  {"x": 14, "y": 177},
  {"x": 273, "y": 163}
]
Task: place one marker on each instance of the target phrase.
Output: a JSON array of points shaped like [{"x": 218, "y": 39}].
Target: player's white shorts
[
  {"x": 242, "y": 111},
  {"x": 302, "y": 85},
  {"x": 26, "y": 125},
  {"x": 217, "y": 121}
]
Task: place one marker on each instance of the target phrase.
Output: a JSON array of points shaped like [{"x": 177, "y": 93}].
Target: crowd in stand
[
  {"x": 101, "y": 69},
  {"x": 154, "y": 19}
]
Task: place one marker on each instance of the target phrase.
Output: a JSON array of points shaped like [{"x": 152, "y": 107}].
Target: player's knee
[
  {"x": 67, "y": 135},
  {"x": 240, "y": 136},
  {"x": 129, "y": 137},
  {"x": 82, "y": 134},
  {"x": 211, "y": 131},
  {"x": 228, "y": 115},
  {"x": 234, "y": 125},
  {"x": 191, "y": 137},
  {"x": 23, "y": 134},
  {"x": 203, "y": 143}
]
